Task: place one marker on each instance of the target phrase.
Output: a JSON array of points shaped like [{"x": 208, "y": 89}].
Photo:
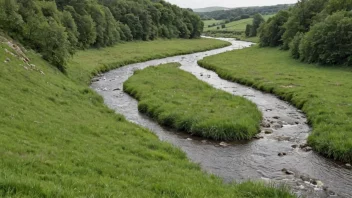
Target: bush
[
  {"x": 330, "y": 41},
  {"x": 294, "y": 45},
  {"x": 223, "y": 26},
  {"x": 272, "y": 31}
]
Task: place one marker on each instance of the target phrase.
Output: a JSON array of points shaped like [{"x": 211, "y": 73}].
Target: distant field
[{"x": 233, "y": 26}]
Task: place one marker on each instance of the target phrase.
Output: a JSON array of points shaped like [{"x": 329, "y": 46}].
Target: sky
[{"x": 227, "y": 3}]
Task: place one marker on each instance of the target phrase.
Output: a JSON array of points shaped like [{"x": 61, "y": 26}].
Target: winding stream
[{"x": 307, "y": 173}]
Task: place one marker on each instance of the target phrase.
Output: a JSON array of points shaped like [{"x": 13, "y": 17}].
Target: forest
[
  {"x": 242, "y": 13},
  {"x": 58, "y": 28},
  {"x": 315, "y": 31}
]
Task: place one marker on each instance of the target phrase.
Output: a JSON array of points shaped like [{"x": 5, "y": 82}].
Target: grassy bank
[
  {"x": 323, "y": 93},
  {"x": 58, "y": 139},
  {"x": 179, "y": 100},
  {"x": 86, "y": 64}
]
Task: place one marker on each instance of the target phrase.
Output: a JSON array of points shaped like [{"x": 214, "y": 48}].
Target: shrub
[
  {"x": 294, "y": 45},
  {"x": 330, "y": 41}
]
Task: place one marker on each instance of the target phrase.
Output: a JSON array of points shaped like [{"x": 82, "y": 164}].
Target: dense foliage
[
  {"x": 56, "y": 28},
  {"x": 239, "y": 13},
  {"x": 315, "y": 31}
]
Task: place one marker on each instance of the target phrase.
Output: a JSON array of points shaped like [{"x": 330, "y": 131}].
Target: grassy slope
[
  {"x": 323, "y": 93},
  {"x": 234, "y": 25},
  {"x": 93, "y": 61},
  {"x": 58, "y": 139},
  {"x": 179, "y": 100}
]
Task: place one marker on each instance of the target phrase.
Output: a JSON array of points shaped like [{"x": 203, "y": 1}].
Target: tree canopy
[
  {"x": 315, "y": 31},
  {"x": 57, "y": 28}
]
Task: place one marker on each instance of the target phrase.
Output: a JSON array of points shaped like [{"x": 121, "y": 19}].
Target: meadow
[
  {"x": 58, "y": 139},
  {"x": 177, "y": 99},
  {"x": 322, "y": 92},
  {"x": 88, "y": 63}
]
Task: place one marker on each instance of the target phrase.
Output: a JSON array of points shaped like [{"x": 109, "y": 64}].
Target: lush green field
[
  {"x": 87, "y": 63},
  {"x": 323, "y": 93},
  {"x": 211, "y": 22},
  {"x": 58, "y": 139},
  {"x": 179, "y": 100},
  {"x": 232, "y": 26}
]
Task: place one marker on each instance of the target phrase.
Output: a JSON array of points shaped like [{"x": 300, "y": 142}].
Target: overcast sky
[{"x": 227, "y": 3}]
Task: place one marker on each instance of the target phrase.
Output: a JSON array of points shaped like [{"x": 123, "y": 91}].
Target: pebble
[
  {"x": 349, "y": 165},
  {"x": 105, "y": 89},
  {"x": 276, "y": 117},
  {"x": 307, "y": 149},
  {"x": 224, "y": 144},
  {"x": 288, "y": 172},
  {"x": 258, "y": 137},
  {"x": 189, "y": 139},
  {"x": 265, "y": 124},
  {"x": 204, "y": 141},
  {"x": 268, "y": 131},
  {"x": 294, "y": 146},
  {"x": 282, "y": 154}
]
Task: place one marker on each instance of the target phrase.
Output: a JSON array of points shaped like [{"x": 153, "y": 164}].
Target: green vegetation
[
  {"x": 179, "y": 100},
  {"x": 239, "y": 13},
  {"x": 323, "y": 93},
  {"x": 57, "y": 28},
  {"x": 244, "y": 29},
  {"x": 58, "y": 139},
  {"x": 324, "y": 36},
  {"x": 86, "y": 64}
]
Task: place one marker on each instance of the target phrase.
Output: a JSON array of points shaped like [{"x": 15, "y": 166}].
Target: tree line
[
  {"x": 237, "y": 13},
  {"x": 315, "y": 31},
  {"x": 57, "y": 28}
]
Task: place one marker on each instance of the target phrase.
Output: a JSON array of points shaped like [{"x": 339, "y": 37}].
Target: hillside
[
  {"x": 238, "y": 13},
  {"x": 210, "y": 9}
]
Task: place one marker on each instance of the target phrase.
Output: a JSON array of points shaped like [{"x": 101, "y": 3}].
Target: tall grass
[
  {"x": 86, "y": 64},
  {"x": 179, "y": 100},
  {"x": 322, "y": 92},
  {"x": 58, "y": 139}
]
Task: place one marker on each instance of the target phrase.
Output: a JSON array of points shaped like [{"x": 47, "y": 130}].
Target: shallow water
[{"x": 257, "y": 159}]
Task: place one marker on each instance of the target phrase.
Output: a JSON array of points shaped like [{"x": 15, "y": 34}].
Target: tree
[
  {"x": 257, "y": 21},
  {"x": 271, "y": 32},
  {"x": 248, "y": 30},
  {"x": 330, "y": 41}
]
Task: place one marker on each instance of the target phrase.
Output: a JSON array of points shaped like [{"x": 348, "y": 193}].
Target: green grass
[
  {"x": 323, "y": 93},
  {"x": 239, "y": 25},
  {"x": 179, "y": 100},
  {"x": 211, "y": 22},
  {"x": 86, "y": 64},
  {"x": 58, "y": 139}
]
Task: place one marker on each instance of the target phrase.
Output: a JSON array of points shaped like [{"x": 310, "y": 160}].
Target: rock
[
  {"x": 276, "y": 117},
  {"x": 282, "y": 154},
  {"x": 314, "y": 182},
  {"x": 268, "y": 131},
  {"x": 332, "y": 193},
  {"x": 277, "y": 126},
  {"x": 296, "y": 122},
  {"x": 287, "y": 172},
  {"x": 348, "y": 165},
  {"x": 209, "y": 76},
  {"x": 307, "y": 149},
  {"x": 305, "y": 178},
  {"x": 7, "y": 60},
  {"x": 302, "y": 146},
  {"x": 201, "y": 74},
  {"x": 294, "y": 146},
  {"x": 105, "y": 89},
  {"x": 95, "y": 79},
  {"x": 189, "y": 139},
  {"x": 265, "y": 124},
  {"x": 258, "y": 137},
  {"x": 224, "y": 144},
  {"x": 283, "y": 138},
  {"x": 204, "y": 141},
  {"x": 320, "y": 184},
  {"x": 117, "y": 89}
]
